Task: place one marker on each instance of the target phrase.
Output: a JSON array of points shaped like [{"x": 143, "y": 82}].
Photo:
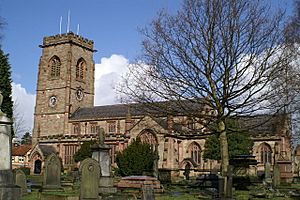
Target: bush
[
  {"x": 136, "y": 159},
  {"x": 85, "y": 151}
]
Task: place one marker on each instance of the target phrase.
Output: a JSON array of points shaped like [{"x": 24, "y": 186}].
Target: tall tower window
[
  {"x": 80, "y": 69},
  {"x": 54, "y": 65}
]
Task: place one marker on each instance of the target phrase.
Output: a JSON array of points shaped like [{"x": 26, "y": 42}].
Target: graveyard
[{"x": 95, "y": 180}]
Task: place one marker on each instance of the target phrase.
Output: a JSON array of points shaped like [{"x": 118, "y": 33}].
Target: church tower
[{"x": 65, "y": 83}]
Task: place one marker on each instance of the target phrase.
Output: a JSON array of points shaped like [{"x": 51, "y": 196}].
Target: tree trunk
[{"x": 224, "y": 153}]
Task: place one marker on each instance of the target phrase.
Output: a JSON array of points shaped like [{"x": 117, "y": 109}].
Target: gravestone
[
  {"x": 8, "y": 189},
  {"x": 102, "y": 156},
  {"x": 21, "y": 180},
  {"x": 148, "y": 191},
  {"x": 52, "y": 173},
  {"x": 276, "y": 175},
  {"x": 90, "y": 174},
  {"x": 268, "y": 178},
  {"x": 229, "y": 182}
]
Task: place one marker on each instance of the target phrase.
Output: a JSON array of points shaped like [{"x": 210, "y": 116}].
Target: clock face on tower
[
  {"x": 79, "y": 94},
  {"x": 52, "y": 101}
]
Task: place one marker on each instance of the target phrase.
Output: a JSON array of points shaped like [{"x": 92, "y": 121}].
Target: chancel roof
[{"x": 264, "y": 124}]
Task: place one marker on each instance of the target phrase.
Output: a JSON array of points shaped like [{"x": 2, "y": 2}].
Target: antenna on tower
[
  {"x": 68, "y": 25},
  {"x": 77, "y": 33},
  {"x": 60, "y": 25}
]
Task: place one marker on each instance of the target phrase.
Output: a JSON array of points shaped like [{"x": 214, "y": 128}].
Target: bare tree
[
  {"x": 286, "y": 86},
  {"x": 19, "y": 126},
  {"x": 223, "y": 54}
]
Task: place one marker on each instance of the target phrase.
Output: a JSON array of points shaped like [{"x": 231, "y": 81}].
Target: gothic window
[
  {"x": 195, "y": 152},
  {"x": 80, "y": 70},
  {"x": 94, "y": 128},
  {"x": 147, "y": 136},
  {"x": 112, "y": 128},
  {"x": 54, "y": 65},
  {"x": 265, "y": 153},
  {"x": 76, "y": 128},
  {"x": 70, "y": 150}
]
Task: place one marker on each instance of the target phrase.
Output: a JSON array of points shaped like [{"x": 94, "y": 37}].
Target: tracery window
[
  {"x": 70, "y": 150},
  {"x": 94, "y": 128},
  {"x": 265, "y": 153},
  {"x": 76, "y": 128},
  {"x": 54, "y": 65},
  {"x": 80, "y": 69},
  {"x": 112, "y": 128},
  {"x": 195, "y": 152},
  {"x": 148, "y": 137}
]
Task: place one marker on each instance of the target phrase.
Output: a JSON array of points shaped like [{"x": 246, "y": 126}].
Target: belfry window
[
  {"x": 54, "y": 65},
  {"x": 80, "y": 70}
]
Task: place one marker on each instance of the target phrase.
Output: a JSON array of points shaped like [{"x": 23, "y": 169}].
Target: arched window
[
  {"x": 54, "y": 65},
  {"x": 265, "y": 153},
  {"x": 147, "y": 136},
  {"x": 80, "y": 69},
  {"x": 195, "y": 152}
]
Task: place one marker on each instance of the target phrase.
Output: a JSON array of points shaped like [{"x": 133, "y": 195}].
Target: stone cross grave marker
[
  {"x": 90, "y": 174},
  {"x": 21, "y": 181},
  {"x": 101, "y": 134},
  {"x": 52, "y": 172}
]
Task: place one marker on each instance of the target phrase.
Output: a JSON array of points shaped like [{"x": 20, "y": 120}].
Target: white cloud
[
  {"x": 107, "y": 76},
  {"x": 24, "y": 103}
]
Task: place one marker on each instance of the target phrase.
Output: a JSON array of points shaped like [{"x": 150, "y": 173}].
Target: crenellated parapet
[{"x": 68, "y": 38}]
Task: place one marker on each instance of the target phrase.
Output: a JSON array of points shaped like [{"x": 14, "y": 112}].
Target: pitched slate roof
[
  {"x": 20, "y": 150},
  {"x": 135, "y": 109},
  {"x": 110, "y": 111},
  {"x": 263, "y": 124},
  {"x": 47, "y": 149}
]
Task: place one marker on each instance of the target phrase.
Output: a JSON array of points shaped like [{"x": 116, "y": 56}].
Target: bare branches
[{"x": 226, "y": 51}]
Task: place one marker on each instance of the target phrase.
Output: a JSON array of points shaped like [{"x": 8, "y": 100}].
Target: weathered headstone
[
  {"x": 102, "y": 155},
  {"x": 187, "y": 170},
  {"x": 52, "y": 173},
  {"x": 148, "y": 191},
  {"x": 268, "y": 178},
  {"x": 276, "y": 175},
  {"x": 229, "y": 182},
  {"x": 21, "y": 180},
  {"x": 8, "y": 190},
  {"x": 90, "y": 174},
  {"x": 155, "y": 162}
]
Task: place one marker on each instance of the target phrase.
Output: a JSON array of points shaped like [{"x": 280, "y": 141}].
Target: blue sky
[{"x": 112, "y": 24}]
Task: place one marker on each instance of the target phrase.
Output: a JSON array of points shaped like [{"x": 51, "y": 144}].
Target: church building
[{"x": 65, "y": 116}]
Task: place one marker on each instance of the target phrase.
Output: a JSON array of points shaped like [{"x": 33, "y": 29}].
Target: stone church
[{"x": 65, "y": 116}]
